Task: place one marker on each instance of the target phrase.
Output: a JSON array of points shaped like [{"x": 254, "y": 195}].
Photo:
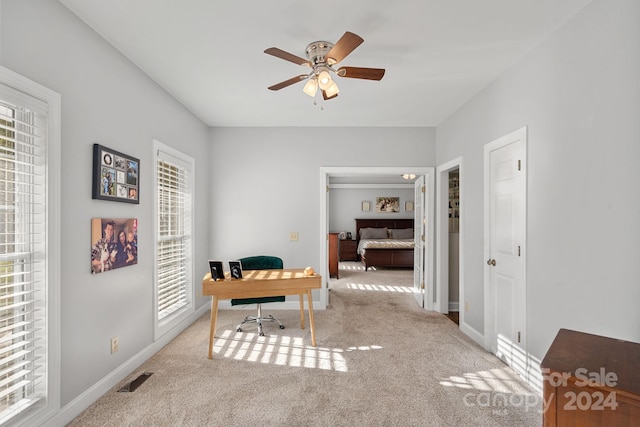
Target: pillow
[
  {"x": 373, "y": 233},
  {"x": 401, "y": 233}
]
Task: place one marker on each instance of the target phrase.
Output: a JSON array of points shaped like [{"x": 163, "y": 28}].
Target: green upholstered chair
[{"x": 259, "y": 262}]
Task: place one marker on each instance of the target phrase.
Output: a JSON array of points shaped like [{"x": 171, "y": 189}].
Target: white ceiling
[{"x": 437, "y": 53}]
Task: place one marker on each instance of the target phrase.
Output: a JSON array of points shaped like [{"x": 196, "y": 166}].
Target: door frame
[
  {"x": 489, "y": 309},
  {"x": 419, "y": 257},
  {"x": 327, "y": 171},
  {"x": 442, "y": 240}
]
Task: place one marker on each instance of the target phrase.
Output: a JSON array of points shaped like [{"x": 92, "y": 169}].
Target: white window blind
[
  {"x": 23, "y": 292},
  {"x": 174, "y": 235}
]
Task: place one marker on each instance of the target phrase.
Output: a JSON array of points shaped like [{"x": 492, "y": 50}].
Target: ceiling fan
[{"x": 321, "y": 57}]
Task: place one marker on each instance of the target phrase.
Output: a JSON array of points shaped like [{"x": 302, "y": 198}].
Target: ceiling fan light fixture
[
  {"x": 311, "y": 87},
  {"x": 332, "y": 90},
  {"x": 324, "y": 79}
]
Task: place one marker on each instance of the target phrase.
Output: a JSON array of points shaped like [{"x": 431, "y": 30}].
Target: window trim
[
  {"x": 38, "y": 414},
  {"x": 162, "y": 327}
]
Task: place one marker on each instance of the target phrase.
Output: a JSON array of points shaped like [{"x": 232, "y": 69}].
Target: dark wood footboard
[
  {"x": 388, "y": 258},
  {"x": 378, "y": 257}
]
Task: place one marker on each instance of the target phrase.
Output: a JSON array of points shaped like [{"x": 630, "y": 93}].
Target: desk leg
[
  {"x": 311, "y": 324},
  {"x": 301, "y": 311},
  {"x": 214, "y": 318}
]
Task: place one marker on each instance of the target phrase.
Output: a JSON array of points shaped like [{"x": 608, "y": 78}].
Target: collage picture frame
[{"x": 116, "y": 176}]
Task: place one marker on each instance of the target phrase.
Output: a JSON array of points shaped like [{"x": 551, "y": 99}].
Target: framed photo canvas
[
  {"x": 114, "y": 243},
  {"x": 216, "y": 270},
  {"x": 116, "y": 176},
  {"x": 387, "y": 204},
  {"x": 235, "y": 268}
]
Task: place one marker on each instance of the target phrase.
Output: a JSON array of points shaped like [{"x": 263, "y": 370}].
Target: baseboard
[
  {"x": 472, "y": 333},
  {"x": 454, "y": 306},
  {"x": 534, "y": 373},
  {"x": 84, "y": 400}
]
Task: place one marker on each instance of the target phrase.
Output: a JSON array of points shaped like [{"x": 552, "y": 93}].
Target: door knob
[{"x": 491, "y": 262}]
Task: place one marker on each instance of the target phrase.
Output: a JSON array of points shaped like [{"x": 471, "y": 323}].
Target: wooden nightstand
[{"x": 348, "y": 250}]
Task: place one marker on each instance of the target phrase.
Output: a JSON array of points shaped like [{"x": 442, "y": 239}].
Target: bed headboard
[{"x": 380, "y": 223}]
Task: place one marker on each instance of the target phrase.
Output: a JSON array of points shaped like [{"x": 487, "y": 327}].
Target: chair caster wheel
[
  {"x": 281, "y": 326},
  {"x": 238, "y": 330},
  {"x": 261, "y": 334}
]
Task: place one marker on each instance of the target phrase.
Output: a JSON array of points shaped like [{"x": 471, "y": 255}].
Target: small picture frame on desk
[
  {"x": 235, "y": 269},
  {"x": 216, "y": 270}
]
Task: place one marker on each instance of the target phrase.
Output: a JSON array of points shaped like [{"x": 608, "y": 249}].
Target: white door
[
  {"x": 419, "y": 237},
  {"x": 505, "y": 252}
]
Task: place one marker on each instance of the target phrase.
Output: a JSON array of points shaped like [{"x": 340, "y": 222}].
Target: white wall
[
  {"x": 579, "y": 95},
  {"x": 345, "y": 205},
  {"x": 105, "y": 99},
  {"x": 266, "y": 182}
]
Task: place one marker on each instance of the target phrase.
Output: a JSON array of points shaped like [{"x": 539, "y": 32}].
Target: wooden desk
[{"x": 262, "y": 283}]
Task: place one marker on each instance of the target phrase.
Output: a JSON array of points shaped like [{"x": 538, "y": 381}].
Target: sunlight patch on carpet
[
  {"x": 497, "y": 389},
  {"x": 498, "y": 380},
  {"x": 365, "y": 348},
  {"x": 352, "y": 267},
  {"x": 380, "y": 288},
  {"x": 278, "y": 350}
]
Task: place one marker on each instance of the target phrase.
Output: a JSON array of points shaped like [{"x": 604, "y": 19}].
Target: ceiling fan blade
[
  {"x": 289, "y": 82},
  {"x": 361, "y": 73},
  {"x": 279, "y": 53},
  {"x": 343, "y": 47},
  {"x": 325, "y": 97}
]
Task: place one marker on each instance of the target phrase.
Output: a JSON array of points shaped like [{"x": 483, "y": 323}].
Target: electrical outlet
[
  {"x": 114, "y": 345},
  {"x": 293, "y": 236}
]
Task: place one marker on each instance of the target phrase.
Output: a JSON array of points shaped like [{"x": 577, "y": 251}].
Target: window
[
  {"x": 29, "y": 268},
  {"x": 174, "y": 240}
]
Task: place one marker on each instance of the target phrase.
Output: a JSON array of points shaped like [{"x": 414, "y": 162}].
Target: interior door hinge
[
  {"x": 422, "y": 189},
  {"x": 518, "y": 336},
  {"x": 327, "y": 188},
  {"x": 519, "y": 164},
  {"x": 422, "y": 285},
  {"x": 422, "y": 237},
  {"x": 518, "y": 250}
]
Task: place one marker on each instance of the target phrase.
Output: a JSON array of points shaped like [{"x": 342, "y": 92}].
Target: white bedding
[{"x": 384, "y": 244}]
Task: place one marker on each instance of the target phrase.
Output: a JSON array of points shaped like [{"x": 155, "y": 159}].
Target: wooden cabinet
[
  {"x": 347, "y": 250},
  {"x": 590, "y": 380},
  {"x": 333, "y": 255}
]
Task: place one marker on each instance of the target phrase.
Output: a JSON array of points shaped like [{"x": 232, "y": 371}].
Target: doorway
[
  {"x": 326, "y": 173},
  {"x": 454, "y": 245},
  {"x": 450, "y": 241}
]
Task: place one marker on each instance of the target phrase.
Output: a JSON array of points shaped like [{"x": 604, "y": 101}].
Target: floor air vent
[{"x": 133, "y": 385}]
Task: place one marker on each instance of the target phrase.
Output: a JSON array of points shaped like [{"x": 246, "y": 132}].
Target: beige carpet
[{"x": 380, "y": 361}]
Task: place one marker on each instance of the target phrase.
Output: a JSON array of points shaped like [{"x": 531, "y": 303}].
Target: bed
[{"x": 376, "y": 250}]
